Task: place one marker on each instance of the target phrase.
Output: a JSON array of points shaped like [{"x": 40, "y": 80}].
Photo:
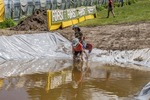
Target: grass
[{"x": 135, "y": 12}]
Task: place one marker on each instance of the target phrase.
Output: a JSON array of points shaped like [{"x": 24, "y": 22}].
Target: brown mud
[
  {"x": 127, "y": 36},
  {"x": 38, "y": 21},
  {"x": 115, "y": 37}
]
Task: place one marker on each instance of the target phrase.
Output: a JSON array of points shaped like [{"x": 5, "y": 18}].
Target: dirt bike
[{"x": 89, "y": 47}]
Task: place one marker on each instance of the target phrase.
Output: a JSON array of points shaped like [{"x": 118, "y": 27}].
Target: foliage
[
  {"x": 100, "y": 7},
  {"x": 117, "y": 4},
  {"x": 21, "y": 19},
  {"x": 129, "y": 2},
  {"x": 7, "y": 23}
]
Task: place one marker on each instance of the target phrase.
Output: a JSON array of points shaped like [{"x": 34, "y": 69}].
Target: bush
[
  {"x": 7, "y": 23},
  {"x": 134, "y": 1},
  {"x": 116, "y": 4},
  {"x": 21, "y": 19},
  {"x": 100, "y": 7},
  {"x": 131, "y": 2}
]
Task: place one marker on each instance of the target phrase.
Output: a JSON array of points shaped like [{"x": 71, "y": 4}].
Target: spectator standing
[
  {"x": 121, "y": 3},
  {"x": 110, "y": 8}
]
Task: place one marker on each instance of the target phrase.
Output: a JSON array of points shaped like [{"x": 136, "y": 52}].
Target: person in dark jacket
[
  {"x": 110, "y": 8},
  {"x": 78, "y": 50},
  {"x": 78, "y": 34}
]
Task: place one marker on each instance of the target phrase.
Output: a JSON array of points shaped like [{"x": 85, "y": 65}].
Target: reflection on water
[{"x": 81, "y": 81}]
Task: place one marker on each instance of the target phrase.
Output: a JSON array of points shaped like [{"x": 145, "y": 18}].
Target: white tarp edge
[
  {"x": 144, "y": 93},
  {"x": 139, "y": 57}
]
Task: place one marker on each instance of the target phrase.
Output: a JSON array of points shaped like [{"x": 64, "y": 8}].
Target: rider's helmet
[{"x": 74, "y": 26}]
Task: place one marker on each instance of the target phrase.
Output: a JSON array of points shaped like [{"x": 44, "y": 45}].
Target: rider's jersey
[{"x": 79, "y": 47}]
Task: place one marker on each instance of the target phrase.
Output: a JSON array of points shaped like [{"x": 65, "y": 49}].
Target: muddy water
[{"x": 80, "y": 81}]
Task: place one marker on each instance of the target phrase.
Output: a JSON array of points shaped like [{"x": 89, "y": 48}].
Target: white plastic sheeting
[
  {"x": 30, "y": 7},
  {"x": 43, "y": 3},
  {"x": 51, "y": 52},
  {"x": 54, "y": 45},
  {"x": 124, "y": 58},
  {"x": 8, "y": 8},
  {"x": 145, "y": 93},
  {"x": 37, "y": 4},
  {"x": 29, "y": 46},
  {"x": 24, "y": 67},
  {"x": 24, "y": 5},
  {"x": 17, "y": 51}
]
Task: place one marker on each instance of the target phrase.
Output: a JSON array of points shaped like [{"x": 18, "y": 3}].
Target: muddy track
[
  {"x": 115, "y": 37},
  {"x": 127, "y": 36}
]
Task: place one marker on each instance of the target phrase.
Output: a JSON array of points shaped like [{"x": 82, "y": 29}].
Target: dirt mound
[{"x": 38, "y": 22}]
